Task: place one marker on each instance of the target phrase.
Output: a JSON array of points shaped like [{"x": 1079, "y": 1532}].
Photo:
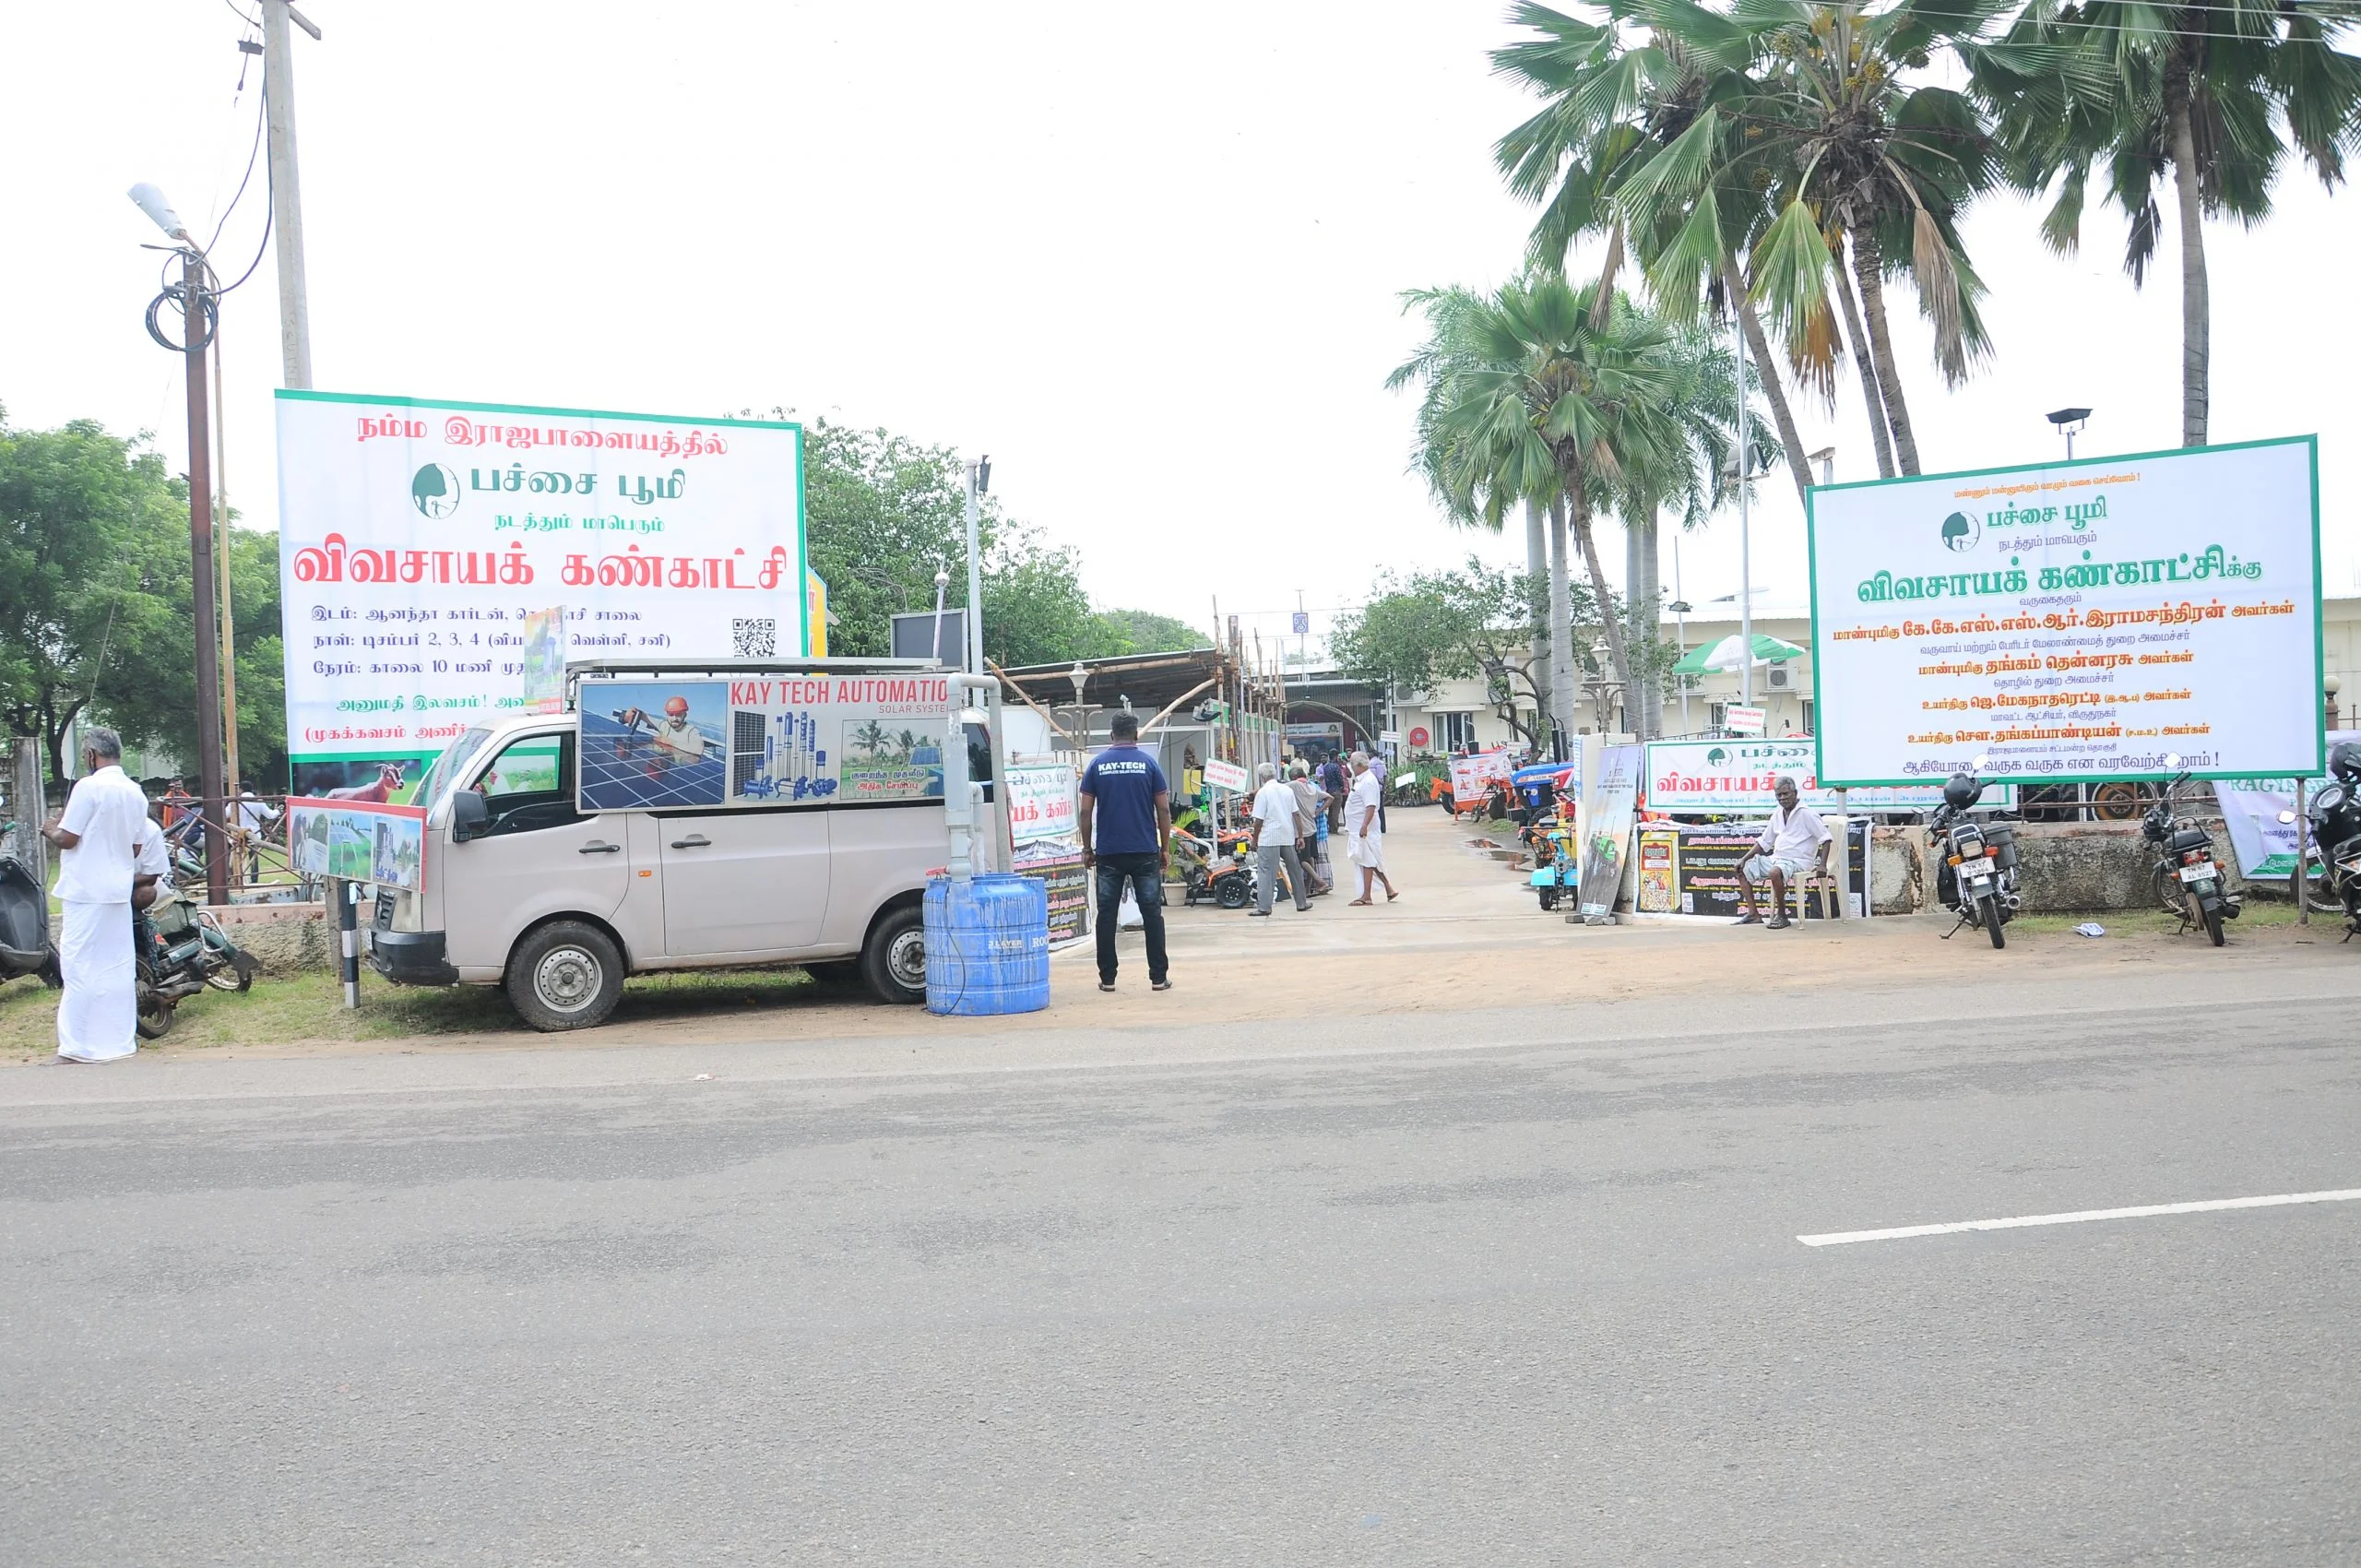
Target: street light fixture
[
  {"x": 2070, "y": 423},
  {"x": 2328, "y": 688}
]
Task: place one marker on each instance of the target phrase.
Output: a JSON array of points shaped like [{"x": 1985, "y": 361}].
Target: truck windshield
[{"x": 439, "y": 774}]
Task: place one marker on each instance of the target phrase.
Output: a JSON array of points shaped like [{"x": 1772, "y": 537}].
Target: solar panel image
[{"x": 653, "y": 744}]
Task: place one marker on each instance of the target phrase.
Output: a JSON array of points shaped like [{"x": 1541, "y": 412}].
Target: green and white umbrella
[{"x": 1729, "y": 653}]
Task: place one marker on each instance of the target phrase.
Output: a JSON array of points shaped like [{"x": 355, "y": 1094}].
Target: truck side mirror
[{"x": 470, "y": 818}]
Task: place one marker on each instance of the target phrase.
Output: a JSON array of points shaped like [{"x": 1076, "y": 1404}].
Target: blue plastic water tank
[{"x": 987, "y": 946}]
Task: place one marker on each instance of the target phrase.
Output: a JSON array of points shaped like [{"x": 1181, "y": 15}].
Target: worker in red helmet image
[{"x": 675, "y": 741}]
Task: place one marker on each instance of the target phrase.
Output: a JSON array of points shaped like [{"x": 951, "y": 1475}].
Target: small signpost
[
  {"x": 1226, "y": 775},
  {"x": 1743, "y": 721}
]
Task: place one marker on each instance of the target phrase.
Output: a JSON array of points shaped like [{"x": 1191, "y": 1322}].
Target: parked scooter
[
  {"x": 180, "y": 950},
  {"x": 2335, "y": 822},
  {"x": 2188, "y": 881},
  {"x": 25, "y": 947},
  {"x": 1977, "y": 876}
]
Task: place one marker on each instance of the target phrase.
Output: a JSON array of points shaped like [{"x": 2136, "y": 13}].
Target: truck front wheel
[
  {"x": 893, "y": 963},
  {"x": 565, "y": 976}
]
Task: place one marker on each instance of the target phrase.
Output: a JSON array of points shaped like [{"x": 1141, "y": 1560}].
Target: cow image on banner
[
  {"x": 422, "y": 542},
  {"x": 2068, "y": 622}
]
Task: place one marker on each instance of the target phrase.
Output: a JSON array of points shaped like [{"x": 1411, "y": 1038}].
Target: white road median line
[{"x": 1842, "y": 1237}]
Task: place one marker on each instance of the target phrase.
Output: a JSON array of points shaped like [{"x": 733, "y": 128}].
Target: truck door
[
  {"x": 540, "y": 856},
  {"x": 747, "y": 883}
]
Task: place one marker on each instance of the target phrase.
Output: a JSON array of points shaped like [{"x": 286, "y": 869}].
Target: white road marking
[{"x": 1841, "y": 1238}]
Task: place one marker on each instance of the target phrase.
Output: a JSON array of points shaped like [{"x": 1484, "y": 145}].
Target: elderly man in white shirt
[
  {"x": 1278, "y": 818},
  {"x": 98, "y": 835},
  {"x": 1795, "y": 842}
]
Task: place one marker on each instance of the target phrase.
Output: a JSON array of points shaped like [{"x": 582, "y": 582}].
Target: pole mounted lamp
[
  {"x": 197, "y": 297},
  {"x": 2070, "y": 423},
  {"x": 2328, "y": 688}
]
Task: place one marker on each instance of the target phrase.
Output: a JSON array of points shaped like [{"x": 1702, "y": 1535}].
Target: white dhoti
[
  {"x": 1367, "y": 850},
  {"x": 98, "y": 1019}
]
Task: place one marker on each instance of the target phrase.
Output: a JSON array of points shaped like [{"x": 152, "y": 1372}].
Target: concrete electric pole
[{"x": 286, "y": 189}]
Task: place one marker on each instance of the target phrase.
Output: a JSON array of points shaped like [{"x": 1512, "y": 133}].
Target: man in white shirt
[
  {"x": 1279, "y": 826},
  {"x": 1365, "y": 826},
  {"x": 1795, "y": 842},
  {"x": 98, "y": 835}
]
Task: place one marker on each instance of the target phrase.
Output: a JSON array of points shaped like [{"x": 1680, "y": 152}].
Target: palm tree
[
  {"x": 869, "y": 737},
  {"x": 1562, "y": 396},
  {"x": 1466, "y": 492},
  {"x": 1612, "y": 108},
  {"x": 2211, "y": 93}
]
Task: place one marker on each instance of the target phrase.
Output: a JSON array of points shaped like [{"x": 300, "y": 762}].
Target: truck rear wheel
[
  {"x": 893, "y": 963},
  {"x": 565, "y": 975}
]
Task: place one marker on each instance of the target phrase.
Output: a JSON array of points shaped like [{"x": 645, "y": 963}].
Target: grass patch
[
  {"x": 2156, "y": 922},
  {"x": 309, "y": 1007}
]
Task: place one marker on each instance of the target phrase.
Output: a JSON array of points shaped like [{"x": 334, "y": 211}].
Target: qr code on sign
[{"x": 753, "y": 639}]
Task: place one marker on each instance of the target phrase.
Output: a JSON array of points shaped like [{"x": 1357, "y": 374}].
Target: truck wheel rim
[
  {"x": 906, "y": 959},
  {"x": 567, "y": 980}
]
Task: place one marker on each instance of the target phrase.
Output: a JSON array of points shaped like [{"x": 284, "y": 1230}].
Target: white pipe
[{"x": 960, "y": 795}]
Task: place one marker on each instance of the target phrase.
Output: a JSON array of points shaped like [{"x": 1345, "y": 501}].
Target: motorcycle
[
  {"x": 25, "y": 947},
  {"x": 1225, "y": 878},
  {"x": 2334, "y": 815},
  {"x": 2188, "y": 881},
  {"x": 1977, "y": 876},
  {"x": 179, "y": 949}
]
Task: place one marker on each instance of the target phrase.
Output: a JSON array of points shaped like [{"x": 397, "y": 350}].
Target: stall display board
[
  {"x": 417, "y": 538},
  {"x": 789, "y": 740},
  {"x": 1226, "y": 776},
  {"x": 358, "y": 841},
  {"x": 1042, "y": 828},
  {"x": 1473, "y": 777},
  {"x": 1703, "y": 776},
  {"x": 1705, "y": 870},
  {"x": 2071, "y": 622}
]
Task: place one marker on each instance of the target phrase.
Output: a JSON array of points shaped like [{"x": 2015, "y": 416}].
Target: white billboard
[
  {"x": 2071, "y": 620},
  {"x": 417, "y": 537},
  {"x": 1743, "y": 776}
]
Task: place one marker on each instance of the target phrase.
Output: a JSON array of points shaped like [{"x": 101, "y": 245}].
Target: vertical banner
[
  {"x": 417, "y": 538},
  {"x": 544, "y": 661},
  {"x": 1606, "y": 831},
  {"x": 1042, "y": 823}
]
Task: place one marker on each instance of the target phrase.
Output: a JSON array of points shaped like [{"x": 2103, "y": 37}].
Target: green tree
[
  {"x": 2211, "y": 95},
  {"x": 96, "y": 605},
  {"x": 1434, "y": 626},
  {"x": 1145, "y": 631}
]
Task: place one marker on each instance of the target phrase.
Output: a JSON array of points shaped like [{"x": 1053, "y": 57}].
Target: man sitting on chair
[{"x": 1795, "y": 842}]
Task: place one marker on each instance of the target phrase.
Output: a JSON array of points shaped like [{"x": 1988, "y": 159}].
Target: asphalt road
[{"x": 1510, "y": 1287}]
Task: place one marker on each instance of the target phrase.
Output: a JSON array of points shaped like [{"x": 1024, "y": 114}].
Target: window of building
[
  {"x": 1808, "y": 729},
  {"x": 1453, "y": 731}
]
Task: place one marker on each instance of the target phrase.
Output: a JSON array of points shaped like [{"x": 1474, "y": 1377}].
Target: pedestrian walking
[
  {"x": 1311, "y": 806},
  {"x": 97, "y": 836},
  {"x": 1278, "y": 817},
  {"x": 1125, "y": 815},
  {"x": 1333, "y": 781},
  {"x": 1364, "y": 832}
]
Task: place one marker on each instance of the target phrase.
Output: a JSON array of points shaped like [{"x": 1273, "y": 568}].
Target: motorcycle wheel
[
  {"x": 155, "y": 1017},
  {"x": 2171, "y": 897},
  {"x": 232, "y": 978},
  {"x": 1231, "y": 894},
  {"x": 1992, "y": 902},
  {"x": 2212, "y": 910}
]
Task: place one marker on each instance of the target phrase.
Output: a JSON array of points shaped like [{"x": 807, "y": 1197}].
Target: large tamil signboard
[
  {"x": 2072, "y": 621},
  {"x": 419, "y": 539},
  {"x": 1709, "y": 776}
]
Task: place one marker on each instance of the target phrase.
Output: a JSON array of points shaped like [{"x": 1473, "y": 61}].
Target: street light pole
[
  {"x": 199, "y": 315},
  {"x": 1745, "y": 541},
  {"x": 980, "y": 478},
  {"x": 286, "y": 192}
]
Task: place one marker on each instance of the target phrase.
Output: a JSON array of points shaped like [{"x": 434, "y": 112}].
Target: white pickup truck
[{"x": 526, "y": 883}]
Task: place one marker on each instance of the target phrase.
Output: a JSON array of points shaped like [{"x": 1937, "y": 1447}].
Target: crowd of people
[{"x": 1299, "y": 811}]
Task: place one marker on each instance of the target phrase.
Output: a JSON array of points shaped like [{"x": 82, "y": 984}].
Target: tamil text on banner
[
  {"x": 1606, "y": 827},
  {"x": 775, "y": 740},
  {"x": 1473, "y": 777},
  {"x": 417, "y": 537},
  {"x": 1042, "y": 825},
  {"x": 1743, "y": 776},
  {"x": 2071, "y": 620},
  {"x": 2250, "y": 808},
  {"x": 1706, "y": 857},
  {"x": 358, "y": 840}
]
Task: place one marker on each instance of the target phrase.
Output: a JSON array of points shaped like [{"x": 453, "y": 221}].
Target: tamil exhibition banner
[
  {"x": 1472, "y": 778},
  {"x": 1043, "y": 829},
  {"x": 1741, "y": 775},
  {"x": 1606, "y": 827},
  {"x": 417, "y": 538},
  {"x": 2072, "y": 621},
  {"x": 359, "y": 841},
  {"x": 786, "y": 741},
  {"x": 2250, "y": 809}
]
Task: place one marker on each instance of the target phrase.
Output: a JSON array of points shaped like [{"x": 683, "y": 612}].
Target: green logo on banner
[{"x": 434, "y": 490}]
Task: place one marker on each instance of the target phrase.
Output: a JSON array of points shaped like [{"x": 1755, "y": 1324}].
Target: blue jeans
[{"x": 1145, "y": 873}]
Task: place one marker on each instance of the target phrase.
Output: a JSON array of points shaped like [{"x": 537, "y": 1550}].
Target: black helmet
[
  {"x": 1961, "y": 791},
  {"x": 2344, "y": 760}
]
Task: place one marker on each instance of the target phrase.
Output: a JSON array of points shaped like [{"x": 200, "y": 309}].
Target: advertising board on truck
[{"x": 2074, "y": 621}]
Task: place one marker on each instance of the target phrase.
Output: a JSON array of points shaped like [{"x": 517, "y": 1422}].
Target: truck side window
[{"x": 529, "y": 785}]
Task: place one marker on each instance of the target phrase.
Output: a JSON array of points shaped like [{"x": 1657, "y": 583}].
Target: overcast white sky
[{"x": 1148, "y": 258}]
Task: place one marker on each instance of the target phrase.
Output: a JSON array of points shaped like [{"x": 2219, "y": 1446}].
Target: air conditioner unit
[{"x": 1782, "y": 678}]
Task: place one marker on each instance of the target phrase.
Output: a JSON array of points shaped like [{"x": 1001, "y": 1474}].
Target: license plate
[
  {"x": 2196, "y": 873},
  {"x": 1977, "y": 869}
]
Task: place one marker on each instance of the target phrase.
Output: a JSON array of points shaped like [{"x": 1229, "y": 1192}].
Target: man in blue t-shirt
[{"x": 1126, "y": 832}]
